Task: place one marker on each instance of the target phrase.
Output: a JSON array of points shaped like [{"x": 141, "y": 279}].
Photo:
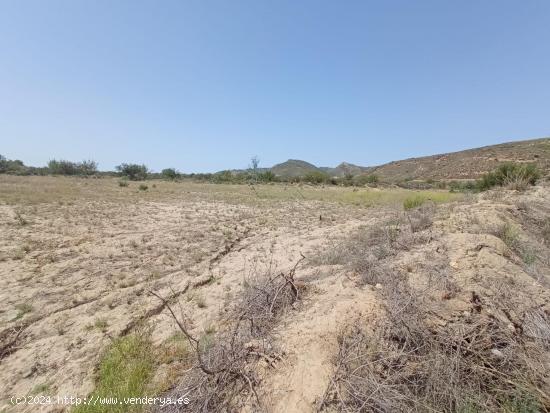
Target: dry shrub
[
  {"x": 224, "y": 378},
  {"x": 421, "y": 218},
  {"x": 368, "y": 250},
  {"x": 408, "y": 363}
]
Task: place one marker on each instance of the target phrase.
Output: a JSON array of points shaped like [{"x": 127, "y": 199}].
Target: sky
[{"x": 205, "y": 85}]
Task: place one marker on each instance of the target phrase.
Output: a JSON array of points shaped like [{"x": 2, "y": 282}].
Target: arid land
[{"x": 80, "y": 260}]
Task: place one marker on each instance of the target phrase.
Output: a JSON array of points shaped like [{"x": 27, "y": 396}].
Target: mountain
[
  {"x": 346, "y": 168},
  {"x": 293, "y": 168}
]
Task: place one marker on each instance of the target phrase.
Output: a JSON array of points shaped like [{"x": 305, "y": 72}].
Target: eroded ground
[{"x": 79, "y": 258}]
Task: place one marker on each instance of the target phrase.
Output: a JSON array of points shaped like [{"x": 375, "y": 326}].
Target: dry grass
[
  {"x": 405, "y": 362},
  {"x": 367, "y": 252}
]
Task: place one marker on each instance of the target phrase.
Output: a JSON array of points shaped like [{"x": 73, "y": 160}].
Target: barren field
[{"x": 86, "y": 262}]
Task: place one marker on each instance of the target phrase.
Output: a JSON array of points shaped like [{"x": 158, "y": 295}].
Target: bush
[
  {"x": 266, "y": 176},
  {"x": 123, "y": 183},
  {"x": 316, "y": 177},
  {"x": 363, "y": 180},
  {"x": 63, "y": 167},
  {"x": 513, "y": 175},
  {"x": 170, "y": 173},
  {"x": 133, "y": 171},
  {"x": 143, "y": 187},
  {"x": 413, "y": 201},
  {"x": 13, "y": 167},
  {"x": 223, "y": 177},
  {"x": 462, "y": 186}
]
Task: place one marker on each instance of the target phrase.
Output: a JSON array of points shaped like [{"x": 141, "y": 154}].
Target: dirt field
[{"x": 79, "y": 258}]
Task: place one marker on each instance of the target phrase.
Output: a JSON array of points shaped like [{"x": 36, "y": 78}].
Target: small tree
[
  {"x": 88, "y": 167},
  {"x": 133, "y": 171},
  {"x": 170, "y": 173}
]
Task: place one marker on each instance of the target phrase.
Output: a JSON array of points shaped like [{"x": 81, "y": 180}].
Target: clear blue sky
[{"x": 204, "y": 85}]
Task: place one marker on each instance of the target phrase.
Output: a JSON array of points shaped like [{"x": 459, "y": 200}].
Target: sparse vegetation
[{"x": 143, "y": 187}]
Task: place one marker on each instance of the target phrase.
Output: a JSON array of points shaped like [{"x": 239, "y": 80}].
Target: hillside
[
  {"x": 467, "y": 164},
  {"x": 293, "y": 168}
]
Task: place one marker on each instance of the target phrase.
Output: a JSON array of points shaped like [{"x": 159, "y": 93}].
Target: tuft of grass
[
  {"x": 99, "y": 323},
  {"x": 143, "y": 187},
  {"x": 21, "y": 221},
  {"x": 125, "y": 371},
  {"x": 201, "y": 302},
  {"x": 509, "y": 234},
  {"x": 414, "y": 201},
  {"x": 22, "y": 309},
  {"x": 40, "y": 389},
  {"x": 123, "y": 183}
]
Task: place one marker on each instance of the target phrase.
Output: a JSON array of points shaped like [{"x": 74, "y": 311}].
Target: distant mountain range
[{"x": 467, "y": 164}]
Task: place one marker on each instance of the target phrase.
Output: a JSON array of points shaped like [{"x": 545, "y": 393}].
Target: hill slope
[{"x": 466, "y": 164}]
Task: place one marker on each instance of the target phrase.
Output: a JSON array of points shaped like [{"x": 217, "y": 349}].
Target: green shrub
[
  {"x": 347, "y": 180},
  {"x": 316, "y": 177},
  {"x": 222, "y": 177},
  {"x": 413, "y": 201},
  {"x": 123, "y": 183},
  {"x": 367, "y": 180},
  {"x": 462, "y": 186},
  {"x": 132, "y": 171},
  {"x": 143, "y": 187},
  {"x": 514, "y": 175},
  {"x": 170, "y": 173},
  {"x": 266, "y": 176}
]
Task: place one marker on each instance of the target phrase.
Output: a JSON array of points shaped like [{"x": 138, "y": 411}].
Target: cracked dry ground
[{"x": 76, "y": 269}]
